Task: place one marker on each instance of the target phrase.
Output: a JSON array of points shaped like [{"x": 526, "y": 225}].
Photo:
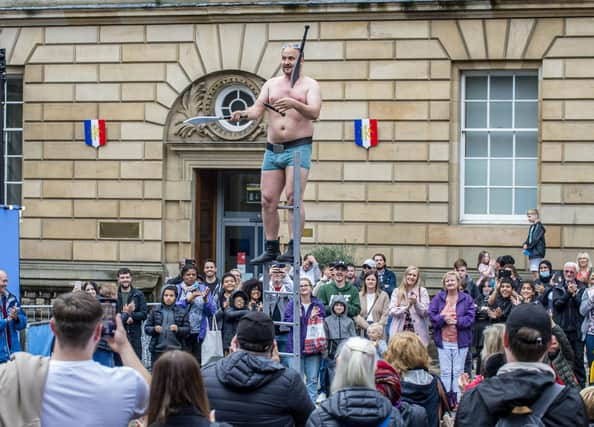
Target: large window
[
  {"x": 12, "y": 135},
  {"x": 499, "y": 145}
]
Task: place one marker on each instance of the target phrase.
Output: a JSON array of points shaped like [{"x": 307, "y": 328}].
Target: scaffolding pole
[{"x": 296, "y": 324}]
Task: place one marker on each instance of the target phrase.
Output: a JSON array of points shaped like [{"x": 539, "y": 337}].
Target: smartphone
[{"x": 109, "y": 313}]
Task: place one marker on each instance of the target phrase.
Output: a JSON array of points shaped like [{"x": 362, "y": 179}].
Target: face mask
[{"x": 545, "y": 274}]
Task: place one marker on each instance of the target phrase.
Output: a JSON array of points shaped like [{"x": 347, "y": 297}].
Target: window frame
[
  {"x": 495, "y": 218},
  {"x": 5, "y": 156}
]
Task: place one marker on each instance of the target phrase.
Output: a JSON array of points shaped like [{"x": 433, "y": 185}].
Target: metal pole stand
[{"x": 269, "y": 295}]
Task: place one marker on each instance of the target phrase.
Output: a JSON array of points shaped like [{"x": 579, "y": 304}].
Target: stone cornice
[{"x": 15, "y": 13}]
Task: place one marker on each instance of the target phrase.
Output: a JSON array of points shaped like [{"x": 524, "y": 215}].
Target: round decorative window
[
  {"x": 232, "y": 98},
  {"x": 219, "y": 94}
]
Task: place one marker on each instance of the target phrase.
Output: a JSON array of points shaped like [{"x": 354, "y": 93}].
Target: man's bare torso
[{"x": 293, "y": 125}]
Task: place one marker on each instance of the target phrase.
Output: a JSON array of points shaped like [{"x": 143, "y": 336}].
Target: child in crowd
[
  {"x": 230, "y": 316},
  {"x": 485, "y": 267},
  {"x": 535, "y": 245},
  {"x": 338, "y": 327},
  {"x": 167, "y": 324},
  {"x": 375, "y": 333},
  {"x": 229, "y": 285},
  {"x": 587, "y": 395}
]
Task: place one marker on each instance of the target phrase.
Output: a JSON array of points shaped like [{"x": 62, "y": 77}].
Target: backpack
[{"x": 539, "y": 408}]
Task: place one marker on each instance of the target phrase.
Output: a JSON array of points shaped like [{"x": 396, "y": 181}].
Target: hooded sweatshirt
[
  {"x": 229, "y": 318},
  {"x": 420, "y": 387},
  {"x": 165, "y": 316},
  {"x": 248, "y": 390},
  {"x": 338, "y": 328},
  {"x": 350, "y": 293}
]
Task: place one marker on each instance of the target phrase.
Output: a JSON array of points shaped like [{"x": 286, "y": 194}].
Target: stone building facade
[{"x": 425, "y": 71}]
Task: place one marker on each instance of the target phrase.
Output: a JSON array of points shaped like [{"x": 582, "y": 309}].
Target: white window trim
[
  {"x": 519, "y": 219},
  {"x": 4, "y": 136}
]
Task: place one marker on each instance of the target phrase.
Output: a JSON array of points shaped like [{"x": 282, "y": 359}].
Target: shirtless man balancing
[{"x": 286, "y": 134}]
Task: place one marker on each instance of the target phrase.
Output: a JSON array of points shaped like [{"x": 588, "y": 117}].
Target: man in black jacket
[
  {"x": 132, "y": 306},
  {"x": 524, "y": 379},
  {"x": 249, "y": 388}
]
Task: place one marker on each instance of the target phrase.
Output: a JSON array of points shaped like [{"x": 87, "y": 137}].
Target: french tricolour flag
[
  {"x": 366, "y": 132},
  {"x": 95, "y": 133}
]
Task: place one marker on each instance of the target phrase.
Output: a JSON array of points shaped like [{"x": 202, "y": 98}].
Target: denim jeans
[
  {"x": 281, "y": 343},
  {"x": 451, "y": 365},
  {"x": 324, "y": 377},
  {"x": 310, "y": 366},
  {"x": 590, "y": 350}
]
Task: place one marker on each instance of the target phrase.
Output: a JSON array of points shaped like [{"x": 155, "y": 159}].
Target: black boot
[
  {"x": 288, "y": 255},
  {"x": 271, "y": 251}
]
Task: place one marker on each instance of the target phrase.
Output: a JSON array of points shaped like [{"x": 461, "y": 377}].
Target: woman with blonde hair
[
  {"x": 354, "y": 400},
  {"x": 584, "y": 267},
  {"x": 375, "y": 303},
  {"x": 452, "y": 315},
  {"x": 178, "y": 396},
  {"x": 409, "y": 306},
  {"x": 410, "y": 358}
]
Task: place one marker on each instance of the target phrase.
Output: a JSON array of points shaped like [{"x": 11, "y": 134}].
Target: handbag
[
  {"x": 315, "y": 337},
  {"x": 212, "y": 346}
]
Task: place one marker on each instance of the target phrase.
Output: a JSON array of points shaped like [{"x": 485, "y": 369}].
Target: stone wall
[{"x": 399, "y": 198}]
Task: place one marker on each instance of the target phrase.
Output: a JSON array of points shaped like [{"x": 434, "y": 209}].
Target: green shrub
[{"x": 327, "y": 254}]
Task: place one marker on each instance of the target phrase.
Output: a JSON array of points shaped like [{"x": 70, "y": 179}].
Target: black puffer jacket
[
  {"x": 248, "y": 390},
  {"x": 355, "y": 406},
  {"x": 495, "y": 397}
]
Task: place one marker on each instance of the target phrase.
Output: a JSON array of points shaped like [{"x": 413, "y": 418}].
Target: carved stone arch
[{"x": 199, "y": 99}]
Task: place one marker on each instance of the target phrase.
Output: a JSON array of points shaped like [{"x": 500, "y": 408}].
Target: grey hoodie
[{"x": 338, "y": 328}]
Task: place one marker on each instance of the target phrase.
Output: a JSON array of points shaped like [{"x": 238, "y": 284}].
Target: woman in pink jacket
[{"x": 409, "y": 306}]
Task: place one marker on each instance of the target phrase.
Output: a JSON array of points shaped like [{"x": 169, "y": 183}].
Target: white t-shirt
[
  {"x": 87, "y": 393},
  {"x": 370, "y": 298}
]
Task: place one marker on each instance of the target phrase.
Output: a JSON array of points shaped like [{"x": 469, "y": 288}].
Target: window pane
[
  {"x": 501, "y": 115},
  {"x": 476, "y": 87},
  {"x": 14, "y": 168},
  {"x": 502, "y": 144},
  {"x": 14, "y": 89},
  {"x": 525, "y": 199},
  {"x": 501, "y": 87},
  {"x": 476, "y": 144},
  {"x": 526, "y": 172},
  {"x": 15, "y": 146},
  {"x": 475, "y": 201},
  {"x": 475, "y": 172},
  {"x": 14, "y": 115},
  {"x": 526, "y": 144},
  {"x": 13, "y": 194},
  {"x": 476, "y": 114},
  {"x": 526, "y": 115},
  {"x": 501, "y": 172},
  {"x": 526, "y": 87},
  {"x": 500, "y": 201}
]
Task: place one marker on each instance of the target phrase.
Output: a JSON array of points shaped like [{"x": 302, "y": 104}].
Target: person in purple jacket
[
  {"x": 311, "y": 308},
  {"x": 452, "y": 315},
  {"x": 194, "y": 295}
]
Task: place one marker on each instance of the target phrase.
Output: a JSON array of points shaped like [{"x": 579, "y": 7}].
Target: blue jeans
[
  {"x": 310, "y": 365},
  {"x": 103, "y": 357},
  {"x": 281, "y": 342},
  {"x": 324, "y": 377},
  {"x": 590, "y": 350},
  {"x": 451, "y": 365}
]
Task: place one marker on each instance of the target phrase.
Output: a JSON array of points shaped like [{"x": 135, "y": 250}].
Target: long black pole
[{"x": 2, "y": 133}]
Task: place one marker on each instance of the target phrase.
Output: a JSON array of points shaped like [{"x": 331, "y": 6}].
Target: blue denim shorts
[{"x": 279, "y": 161}]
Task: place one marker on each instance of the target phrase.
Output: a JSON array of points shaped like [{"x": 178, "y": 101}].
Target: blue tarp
[
  {"x": 39, "y": 339},
  {"x": 9, "y": 249}
]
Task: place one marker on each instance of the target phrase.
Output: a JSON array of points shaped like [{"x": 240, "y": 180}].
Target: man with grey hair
[
  {"x": 566, "y": 313},
  {"x": 12, "y": 320},
  {"x": 290, "y": 128}
]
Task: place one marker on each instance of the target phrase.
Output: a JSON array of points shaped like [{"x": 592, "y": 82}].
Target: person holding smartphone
[{"x": 195, "y": 296}]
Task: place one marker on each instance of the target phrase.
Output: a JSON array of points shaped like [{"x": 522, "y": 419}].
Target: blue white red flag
[
  {"x": 366, "y": 133},
  {"x": 95, "y": 133}
]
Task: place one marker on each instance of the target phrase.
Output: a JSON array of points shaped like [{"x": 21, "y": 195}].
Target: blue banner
[{"x": 9, "y": 249}]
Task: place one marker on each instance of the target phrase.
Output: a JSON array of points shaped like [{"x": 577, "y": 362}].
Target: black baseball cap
[
  {"x": 340, "y": 264},
  {"x": 532, "y": 316},
  {"x": 255, "y": 332}
]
